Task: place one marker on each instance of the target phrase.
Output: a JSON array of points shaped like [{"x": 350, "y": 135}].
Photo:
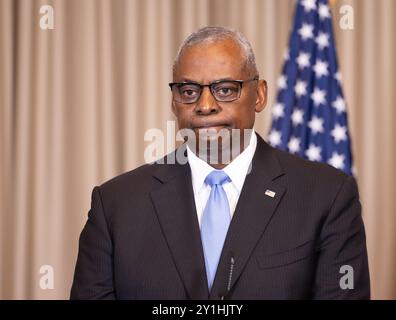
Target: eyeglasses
[{"x": 222, "y": 90}]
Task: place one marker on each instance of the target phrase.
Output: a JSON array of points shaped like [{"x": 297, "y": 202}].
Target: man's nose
[{"x": 207, "y": 104}]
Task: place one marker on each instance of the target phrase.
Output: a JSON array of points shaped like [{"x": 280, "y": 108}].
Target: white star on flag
[
  {"x": 294, "y": 145},
  {"x": 286, "y": 55},
  {"x": 306, "y": 31},
  {"x": 274, "y": 138},
  {"x": 300, "y": 88},
  {"x": 282, "y": 82},
  {"x": 320, "y": 68},
  {"x": 308, "y": 5},
  {"x": 278, "y": 110},
  {"x": 303, "y": 60},
  {"x": 297, "y": 117},
  {"x": 339, "y": 133},
  {"x": 316, "y": 125},
  {"x": 318, "y": 96},
  {"x": 324, "y": 11},
  {"x": 338, "y": 76},
  {"x": 339, "y": 104},
  {"x": 309, "y": 117},
  {"x": 337, "y": 160},
  {"x": 322, "y": 40},
  {"x": 313, "y": 152}
]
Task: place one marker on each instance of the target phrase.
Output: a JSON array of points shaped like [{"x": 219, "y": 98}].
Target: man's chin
[
  {"x": 211, "y": 143},
  {"x": 216, "y": 133},
  {"x": 217, "y": 144}
]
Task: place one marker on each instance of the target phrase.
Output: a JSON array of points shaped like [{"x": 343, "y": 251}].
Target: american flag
[{"x": 309, "y": 117}]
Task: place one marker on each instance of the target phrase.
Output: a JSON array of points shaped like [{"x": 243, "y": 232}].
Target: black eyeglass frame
[{"x": 210, "y": 85}]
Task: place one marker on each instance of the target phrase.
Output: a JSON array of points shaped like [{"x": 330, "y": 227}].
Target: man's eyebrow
[
  {"x": 187, "y": 80},
  {"x": 225, "y": 79},
  {"x": 217, "y": 80}
]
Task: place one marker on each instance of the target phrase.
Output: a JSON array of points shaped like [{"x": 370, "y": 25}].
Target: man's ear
[{"x": 262, "y": 94}]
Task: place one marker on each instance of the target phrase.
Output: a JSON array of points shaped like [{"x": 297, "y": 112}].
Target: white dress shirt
[{"x": 236, "y": 170}]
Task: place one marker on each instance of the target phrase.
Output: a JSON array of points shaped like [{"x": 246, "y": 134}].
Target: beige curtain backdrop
[{"x": 76, "y": 101}]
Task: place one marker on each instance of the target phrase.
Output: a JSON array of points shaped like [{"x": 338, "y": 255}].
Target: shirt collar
[{"x": 236, "y": 169}]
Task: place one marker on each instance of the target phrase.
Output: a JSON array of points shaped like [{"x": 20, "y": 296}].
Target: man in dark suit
[{"x": 272, "y": 226}]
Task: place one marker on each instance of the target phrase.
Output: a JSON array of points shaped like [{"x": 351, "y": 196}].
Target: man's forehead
[{"x": 217, "y": 60}]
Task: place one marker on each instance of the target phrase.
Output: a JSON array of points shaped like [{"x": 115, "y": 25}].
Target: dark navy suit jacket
[{"x": 142, "y": 238}]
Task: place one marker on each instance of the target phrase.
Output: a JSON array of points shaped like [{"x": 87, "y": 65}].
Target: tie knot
[{"x": 217, "y": 177}]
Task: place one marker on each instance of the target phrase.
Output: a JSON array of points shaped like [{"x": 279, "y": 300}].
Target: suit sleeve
[
  {"x": 93, "y": 276},
  {"x": 342, "y": 266}
]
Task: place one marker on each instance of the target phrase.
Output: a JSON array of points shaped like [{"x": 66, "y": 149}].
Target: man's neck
[{"x": 220, "y": 158}]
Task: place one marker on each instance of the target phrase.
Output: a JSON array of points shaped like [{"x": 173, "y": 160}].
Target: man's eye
[
  {"x": 226, "y": 91},
  {"x": 189, "y": 92}
]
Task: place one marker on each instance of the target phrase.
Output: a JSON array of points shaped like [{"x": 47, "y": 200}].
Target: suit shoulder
[
  {"x": 138, "y": 177},
  {"x": 141, "y": 179},
  {"x": 309, "y": 170}
]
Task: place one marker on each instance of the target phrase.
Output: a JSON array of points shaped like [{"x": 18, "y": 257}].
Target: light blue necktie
[{"x": 215, "y": 221}]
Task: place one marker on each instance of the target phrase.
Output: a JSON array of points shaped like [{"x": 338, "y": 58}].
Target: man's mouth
[
  {"x": 211, "y": 126},
  {"x": 213, "y": 132}
]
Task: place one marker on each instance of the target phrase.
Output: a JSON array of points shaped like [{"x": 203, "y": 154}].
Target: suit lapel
[
  {"x": 175, "y": 207},
  {"x": 252, "y": 215}
]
